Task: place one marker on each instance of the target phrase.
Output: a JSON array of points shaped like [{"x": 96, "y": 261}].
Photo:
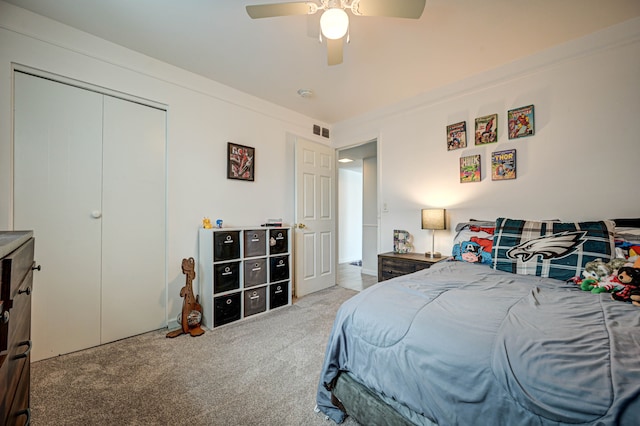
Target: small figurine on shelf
[
  {"x": 191, "y": 315},
  {"x": 219, "y": 223},
  {"x": 206, "y": 223}
]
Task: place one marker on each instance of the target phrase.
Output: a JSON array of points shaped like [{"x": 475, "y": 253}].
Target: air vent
[
  {"x": 325, "y": 132},
  {"x": 316, "y": 129}
]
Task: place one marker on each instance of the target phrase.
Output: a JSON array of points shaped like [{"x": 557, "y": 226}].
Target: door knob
[
  {"x": 302, "y": 226},
  {"x": 96, "y": 214}
]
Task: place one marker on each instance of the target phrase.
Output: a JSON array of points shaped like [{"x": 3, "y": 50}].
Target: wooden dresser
[
  {"x": 391, "y": 265},
  {"x": 16, "y": 274}
]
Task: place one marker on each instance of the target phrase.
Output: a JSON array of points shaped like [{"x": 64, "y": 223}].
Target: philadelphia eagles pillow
[{"x": 550, "y": 249}]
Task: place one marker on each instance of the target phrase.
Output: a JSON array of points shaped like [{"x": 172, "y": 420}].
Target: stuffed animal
[
  {"x": 629, "y": 276},
  {"x": 600, "y": 277},
  {"x": 596, "y": 270},
  {"x": 609, "y": 284},
  {"x": 616, "y": 263}
]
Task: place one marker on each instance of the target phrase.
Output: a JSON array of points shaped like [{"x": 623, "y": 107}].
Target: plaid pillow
[{"x": 550, "y": 249}]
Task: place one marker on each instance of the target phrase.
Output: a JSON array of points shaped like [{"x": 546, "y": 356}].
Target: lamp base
[{"x": 433, "y": 255}]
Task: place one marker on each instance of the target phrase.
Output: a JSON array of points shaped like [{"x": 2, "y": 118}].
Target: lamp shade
[
  {"x": 433, "y": 219},
  {"x": 334, "y": 23}
]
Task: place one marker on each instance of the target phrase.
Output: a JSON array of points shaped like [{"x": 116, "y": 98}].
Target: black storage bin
[
  {"x": 226, "y": 276},
  {"x": 255, "y": 301},
  {"x": 226, "y": 309},
  {"x": 278, "y": 241},
  {"x": 255, "y": 272},
  {"x": 226, "y": 245},
  {"x": 278, "y": 268},
  {"x": 255, "y": 243},
  {"x": 278, "y": 294}
]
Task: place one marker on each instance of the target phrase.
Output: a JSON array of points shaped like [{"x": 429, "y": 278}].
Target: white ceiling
[{"x": 388, "y": 59}]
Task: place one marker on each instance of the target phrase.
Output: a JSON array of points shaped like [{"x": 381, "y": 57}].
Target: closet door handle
[{"x": 96, "y": 214}]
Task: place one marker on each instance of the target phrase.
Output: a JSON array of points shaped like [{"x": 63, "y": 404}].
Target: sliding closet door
[
  {"x": 133, "y": 220},
  {"x": 57, "y": 193}
]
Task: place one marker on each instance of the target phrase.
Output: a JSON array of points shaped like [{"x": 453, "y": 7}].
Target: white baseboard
[{"x": 369, "y": 272}]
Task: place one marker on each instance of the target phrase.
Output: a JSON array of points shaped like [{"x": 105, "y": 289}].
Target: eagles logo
[{"x": 554, "y": 246}]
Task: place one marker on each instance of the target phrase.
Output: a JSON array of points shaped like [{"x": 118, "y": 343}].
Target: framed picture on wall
[
  {"x": 470, "y": 169},
  {"x": 240, "y": 162},
  {"x": 521, "y": 122},
  {"x": 487, "y": 129},
  {"x": 503, "y": 165},
  {"x": 457, "y": 135}
]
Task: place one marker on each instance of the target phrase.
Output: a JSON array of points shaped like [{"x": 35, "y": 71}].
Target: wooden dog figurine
[{"x": 191, "y": 316}]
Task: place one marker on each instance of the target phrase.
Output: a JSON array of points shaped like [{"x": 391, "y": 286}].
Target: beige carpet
[{"x": 260, "y": 371}]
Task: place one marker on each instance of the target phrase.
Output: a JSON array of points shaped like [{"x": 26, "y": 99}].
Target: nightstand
[{"x": 391, "y": 265}]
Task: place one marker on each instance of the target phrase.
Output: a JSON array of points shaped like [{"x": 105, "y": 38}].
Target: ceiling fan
[{"x": 334, "y": 22}]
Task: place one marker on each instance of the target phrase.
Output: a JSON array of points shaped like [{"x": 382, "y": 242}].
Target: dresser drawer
[
  {"x": 17, "y": 357},
  {"x": 20, "y": 414},
  {"x": 391, "y": 265},
  {"x": 15, "y": 267},
  {"x": 16, "y": 285},
  {"x": 397, "y": 267}
]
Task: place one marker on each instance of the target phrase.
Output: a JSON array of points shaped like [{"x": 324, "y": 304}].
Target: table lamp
[{"x": 433, "y": 219}]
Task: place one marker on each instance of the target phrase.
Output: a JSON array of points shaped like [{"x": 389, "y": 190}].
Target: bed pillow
[
  {"x": 473, "y": 242},
  {"x": 550, "y": 249},
  {"x": 627, "y": 235}
]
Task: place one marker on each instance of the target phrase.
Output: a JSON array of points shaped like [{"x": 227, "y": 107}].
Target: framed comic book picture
[
  {"x": 503, "y": 165},
  {"x": 240, "y": 162},
  {"x": 487, "y": 129},
  {"x": 457, "y": 135},
  {"x": 470, "y": 169},
  {"x": 521, "y": 122}
]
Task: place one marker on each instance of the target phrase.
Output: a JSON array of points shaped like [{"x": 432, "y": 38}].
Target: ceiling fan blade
[
  {"x": 334, "y": 51},
  {"x": 396, "y": 9},
  {"x": 313, "y": 25},
  {"x": 281, "y": 9}
]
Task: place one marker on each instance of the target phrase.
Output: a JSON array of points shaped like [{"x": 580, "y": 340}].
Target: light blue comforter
[{"x": 462, "y": 344}]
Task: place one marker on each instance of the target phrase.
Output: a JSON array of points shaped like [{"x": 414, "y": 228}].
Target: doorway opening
[{"x": 358, "y": 215}]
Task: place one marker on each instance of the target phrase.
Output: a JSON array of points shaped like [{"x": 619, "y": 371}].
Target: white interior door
[
  {"x": 315, "y": 256},
  {"x": 57, "y": 193},
  {"x": 133, "y": 220}
]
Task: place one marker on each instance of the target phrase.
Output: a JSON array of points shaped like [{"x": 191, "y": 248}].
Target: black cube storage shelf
[{"x": 243, "y": 272}]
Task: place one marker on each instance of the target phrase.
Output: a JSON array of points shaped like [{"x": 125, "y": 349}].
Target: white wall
[
  {"x": 370, "y": 216},
  {"x": 579, "y": 165},
  {"x": 350, "y": 214},
  {"x": 202, "y": 116}
]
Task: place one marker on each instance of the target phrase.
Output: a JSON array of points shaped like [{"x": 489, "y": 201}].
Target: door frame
[{"x": 376, "y": 140}]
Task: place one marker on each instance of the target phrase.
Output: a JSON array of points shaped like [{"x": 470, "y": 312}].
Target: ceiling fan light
[{"x": 334, "y": 23}]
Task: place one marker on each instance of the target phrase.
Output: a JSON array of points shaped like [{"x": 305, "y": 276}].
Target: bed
[{"x": 506, "y": 339}]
